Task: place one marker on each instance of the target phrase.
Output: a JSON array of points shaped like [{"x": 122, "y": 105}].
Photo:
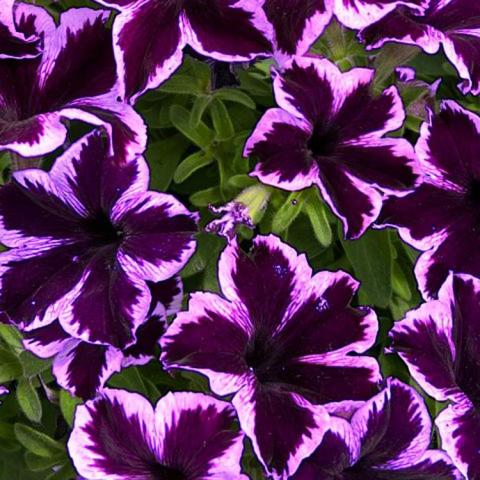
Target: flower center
[
  {"x": 101, "y": 230},
  {"x": 260, "y": 358},
  {"x": 323, "y": 140},
  {"x": 473, "y": 192},
  {"x": 162, "y": 472}
]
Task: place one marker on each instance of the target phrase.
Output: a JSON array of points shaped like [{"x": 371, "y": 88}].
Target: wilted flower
[
  {"x": 453, "y": 24},
  {"x": 188, "y": 436},
  {"x": 74, "y": 78},
  {"x": 150, "y": 36},
  {"x": 439, "y": 344},
  {"x": 83, "y": 368},
  {"x": 441, "y": 215},
  {"x": 84, "y": 240},
  {"x": 387, "y": 438},
  {"x": 280, "y": 340},
  {"x": 329, "y": 132},
  {"x": 233, "y": 214}
]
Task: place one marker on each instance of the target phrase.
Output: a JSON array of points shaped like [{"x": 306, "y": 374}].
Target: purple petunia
[
  {"x": 280, "y": 340},
  {"x": 439, "y": 343},
  {"x": 329, "y": 132},
  {"x": 149, "y": 36},
  {"x": 73, "y": 78},
  {"x": 85, "y": 238},
  {"x": 71, "y": 355},
  {"x": 188, "y": 436},
  {"x": 447, "y": 220},
  {"x": 453, "y": 24},
  {"x": 386, "y": 438}
]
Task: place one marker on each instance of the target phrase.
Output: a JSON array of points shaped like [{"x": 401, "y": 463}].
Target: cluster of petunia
[{"x": 91, "y": 271}]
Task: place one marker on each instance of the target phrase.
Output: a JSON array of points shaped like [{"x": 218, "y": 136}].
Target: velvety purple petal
[
  {"x": 361, "y": 13},
  {"x": 403, "y": 26},
  {"x": 295, "y": 33},
  {"x": 228, "y": 30},
  {"x": 110, "y": 304},
  {"x": 148, "y": 40},
  {"x": 356, "y": 203},
  {"x": 459, "y": 428},
  {"x": 45, "y": 342},
  {"x": 168, "y": 293},
  {"x": 85, "y": 368},
  {"x": 284, "y": 428},
  {"x": 114, "y": 437},
  {"x": 38, "y": 283},
  {"x": 213, "y": 451},
  {"x": 158, "y": 235},
  {"x": 424, "y": 342},
  {"x": 279, "y": 142},
  {"x": 210, "y": 338},
  {"x": 325, "y": 321},
  {"x": 338, "y": 450},
  {"x": 394, "y": 427},
  {"x": 269, "y": 281}
]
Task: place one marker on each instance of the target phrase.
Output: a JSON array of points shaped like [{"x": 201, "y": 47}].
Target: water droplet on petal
[
  {"x": 322, "y": 305},
  {"x": 280, "y": 270}
]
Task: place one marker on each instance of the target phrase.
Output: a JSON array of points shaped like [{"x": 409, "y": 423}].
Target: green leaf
[
  {"x": 6, "y": 431},
  {"x": 207, "y": 196},
  {"x": 129, "y": 379},
  {"x": 37, "y": 464},
  {"x": 242, "y": 181},
  {"x": 37, "y": 442},
  {"x": 198, "y": 109},
  {"x": 181, "y": 84},
  {"x": 10, "y": 367},
  {"x": 191, "y": 164},
  {"x": 68, "y": 405},
  {"x": 33, "y": 365},
  {"x": 288, "y": 212},
  {"x": 201, "y": 135},
  {"x": 222, "y": 123},
  {"x": 29, "y": 400},
  {"x": 315, "y": 210},
  {"x": 11, "y": 336},
  {"x": 400, "y": 283},
  {"x": 371, "y": 259},
  {"x": 66, "y": 472},
  {"x": 236, "y": 96}
]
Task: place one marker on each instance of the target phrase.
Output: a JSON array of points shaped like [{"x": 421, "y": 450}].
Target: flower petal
[
  {"x": 284, "y": 428},
  {"x": 159, "y": 235},
  {"x": 45, "y": 342},
  {"x": 113, "y": 437},
  {"x": 223, "y": 330}
]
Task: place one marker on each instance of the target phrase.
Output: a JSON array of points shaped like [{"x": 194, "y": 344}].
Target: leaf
[
  {"x": 11, "y": 336},
  {"x": 68, "y": 404},
  {"x": 66, "y": 472},
  {"x": 288, "y": 212},
  {"x": 207, "y": 196},
  {"x": 37, "y": 442},
  {"x": 29, "y": 400},
  {"x": 201, "y": 135},
  {"x": 10, "y": 367},
  {"x": 315, "y": 210},
  {"x": 371, "y": 259},
  {"x": 129, "y": 379},
  {"x": 191, "y": 164},
  {"x": 198, "y": 109},
  {"x": 181, "y": 84},
  {"x": 235, "y": 95},
  {"x": 222, "y": 123},
  {"x": 32, "y": 365},
  {"x": 37, "y": 464}
]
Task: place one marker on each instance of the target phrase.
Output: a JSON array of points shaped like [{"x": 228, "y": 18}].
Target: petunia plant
[{"x": 239, "y": 239}]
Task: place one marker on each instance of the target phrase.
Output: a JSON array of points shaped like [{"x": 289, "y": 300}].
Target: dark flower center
[
  {"x": 473, "y": 192},
  {"x": 323, "y": 140},
  {"x": 260, "y": 356},
  {"x": 101, "y": 230},
  {"x": 162, "y": 472}
]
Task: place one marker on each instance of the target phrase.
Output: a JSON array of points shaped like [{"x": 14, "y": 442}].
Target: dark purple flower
[
  {"x": 73, "y": 78},
  {"x": 329, "y": 132},
  {"x": 439, "y": 343},
  {"x": 188, "y": 436},
  {"x": 83, "y": 368},
  {"x": 14, "y": 44},
  {"x": 84, "y": 240},
  {"x": 446, "y": 223},
  {"x": 387, "y": 438},
  {"x": 453, "y": 24},
  {"x": 233, "y": 214},
  {"x": 280, "y": 340},
  {"x": 150, "y": 36}
]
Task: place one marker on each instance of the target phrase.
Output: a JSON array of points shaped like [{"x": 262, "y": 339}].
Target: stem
[{"x": 21, "y": 163}]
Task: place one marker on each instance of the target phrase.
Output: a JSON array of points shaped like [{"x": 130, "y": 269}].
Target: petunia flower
[
  {"x": 71, "y": 355},
  {"x": 280, "y": 340},
  {"x": 446, "y": 220},
  {"x": 188, "y": 436},
  {"x": 85, "y": 238},
  {"x": 329, "y": 132},
  {"x": 439, "y": 343},
  {"x": 233, "y": 214},
  {"x": 453, "y": 24},
  {"x": 74, "y": 78},
  {"x": 387, "y": 438},
  {"x": 14, "y": 44},
  {"x": 150, "y": 35}
]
